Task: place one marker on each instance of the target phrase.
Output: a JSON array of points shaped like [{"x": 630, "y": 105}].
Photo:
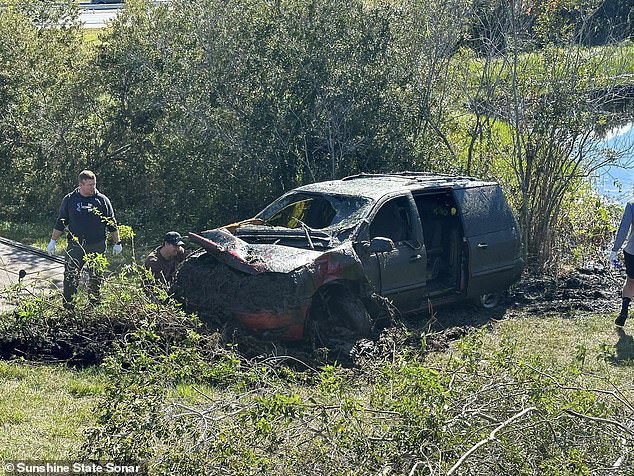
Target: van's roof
[{"x": 377, "y": 185}]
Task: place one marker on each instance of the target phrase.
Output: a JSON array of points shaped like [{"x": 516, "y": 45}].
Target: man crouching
[{"x": 164, "y": 260}]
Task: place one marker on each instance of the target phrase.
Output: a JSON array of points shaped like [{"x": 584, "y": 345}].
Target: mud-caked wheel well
[{"x": 337, "y": 312}]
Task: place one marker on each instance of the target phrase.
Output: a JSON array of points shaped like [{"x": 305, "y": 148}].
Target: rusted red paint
[
  {"x": 229, "y": 250},
  {"x": 289, "y": 323},
  {"x": 329, "y": 268}
]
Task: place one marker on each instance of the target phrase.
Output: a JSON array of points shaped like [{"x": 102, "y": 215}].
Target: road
[
  {"x": 41, "y": 272},
  {"x": 98, "y": 15}
]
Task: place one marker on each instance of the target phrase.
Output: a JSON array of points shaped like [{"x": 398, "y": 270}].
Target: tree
[
  {"x": 551, "y": 102},
  {"x": 249, "y": 95},
  {"x": 427, "y": 36},
  {"x": 43, "y": 101}
]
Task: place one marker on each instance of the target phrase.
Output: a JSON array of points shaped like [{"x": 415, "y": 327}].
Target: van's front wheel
[{"x": 337, "y": 315}]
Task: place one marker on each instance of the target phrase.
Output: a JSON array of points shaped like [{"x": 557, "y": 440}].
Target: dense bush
[
  {"x": 194, "y": 115},
  {"x": 476, "y": 414}
]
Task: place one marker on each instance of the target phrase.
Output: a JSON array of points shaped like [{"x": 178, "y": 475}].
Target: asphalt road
[
  {"x": 97, "y": 16},
  {"x": 42, "y": 272}
]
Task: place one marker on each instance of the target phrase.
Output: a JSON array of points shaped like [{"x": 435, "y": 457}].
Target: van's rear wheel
[
  {"x": 337, "y": 315},
  {"x": 489, "y": 300}
]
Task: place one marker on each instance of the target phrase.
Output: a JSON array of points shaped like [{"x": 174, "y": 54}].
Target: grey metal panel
[
  {"x": 484, "y": 210},
  {"x": 377, "y": 186}
]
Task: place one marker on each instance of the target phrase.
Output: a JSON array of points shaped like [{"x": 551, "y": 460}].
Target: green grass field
[{"x": 44, "y": 409}]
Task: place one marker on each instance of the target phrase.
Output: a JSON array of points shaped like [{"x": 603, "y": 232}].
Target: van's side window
[{"x": 392, "y": 221}]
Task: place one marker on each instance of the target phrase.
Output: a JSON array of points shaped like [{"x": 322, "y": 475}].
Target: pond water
[{"x": 617, "y": 182}]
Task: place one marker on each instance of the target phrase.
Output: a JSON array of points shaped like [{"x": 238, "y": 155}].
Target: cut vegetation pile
[
  {"x": 184, "y": 399},
  {"x": 41, "y": 330}
]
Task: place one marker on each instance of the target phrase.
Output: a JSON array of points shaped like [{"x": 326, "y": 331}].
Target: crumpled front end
[{"x": 266, "y": 289}]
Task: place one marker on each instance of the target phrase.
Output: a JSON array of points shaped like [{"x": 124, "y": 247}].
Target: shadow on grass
[{"x": 624, "y": 349}]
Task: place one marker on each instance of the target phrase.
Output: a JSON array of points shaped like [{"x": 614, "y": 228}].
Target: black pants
[{"x": 75, "y": 261}]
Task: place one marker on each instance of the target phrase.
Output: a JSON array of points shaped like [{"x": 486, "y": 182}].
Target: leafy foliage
[
  {"x": 411, "y": 419},
  {"x": 44, "y": 95},
  {"x": 181, "y": 108}
]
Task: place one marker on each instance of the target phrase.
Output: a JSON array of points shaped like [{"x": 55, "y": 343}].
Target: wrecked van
[{"x": 324, "y": 258}]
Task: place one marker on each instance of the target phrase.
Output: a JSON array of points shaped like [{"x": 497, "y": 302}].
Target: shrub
[{"x": 475, "y": 414}]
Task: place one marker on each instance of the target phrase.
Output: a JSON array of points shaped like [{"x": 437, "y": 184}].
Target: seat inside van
[{"x": 442, "y": 233}]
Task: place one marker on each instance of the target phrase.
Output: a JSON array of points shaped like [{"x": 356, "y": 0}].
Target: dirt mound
[{"x": 593, "y": 289}]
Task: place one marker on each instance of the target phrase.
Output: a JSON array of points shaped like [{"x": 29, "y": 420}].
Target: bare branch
[
  {"x": 601, "y": 420},
  {"x": 490, "y": 438}
]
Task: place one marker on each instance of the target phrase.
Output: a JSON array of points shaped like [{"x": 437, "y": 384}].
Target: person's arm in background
[
  {"x": 624, "y": 228},
  {"x": 60, "y": 225}
]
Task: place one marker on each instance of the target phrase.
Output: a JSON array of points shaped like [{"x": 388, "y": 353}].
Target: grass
[
  {"x": 590, "y": 339},
  {"x": 588, "y": 342},
  {"x": 38, "y": 234},
  {"x": 35, "y": 234},
  {"x": 91, "y": 35},
  {"x": 44, "y": 409}
]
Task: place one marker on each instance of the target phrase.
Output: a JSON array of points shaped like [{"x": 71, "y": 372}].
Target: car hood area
[{"x": 340, "y": 262}]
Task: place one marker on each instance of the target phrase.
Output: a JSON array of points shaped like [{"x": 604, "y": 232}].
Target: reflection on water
[{"x": 614, "y": 182}]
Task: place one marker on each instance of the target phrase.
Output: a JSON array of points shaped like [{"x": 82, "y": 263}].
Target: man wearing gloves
[
  {"x": 86, "y": 214},
  {"x": 628, "y": 252}
]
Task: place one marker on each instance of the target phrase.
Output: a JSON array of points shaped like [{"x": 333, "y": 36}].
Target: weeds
[
  {"x": 476, "y": 414},
  {"x": 184, "y": 399}
]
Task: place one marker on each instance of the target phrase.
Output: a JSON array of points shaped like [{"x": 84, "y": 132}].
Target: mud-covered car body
[{"x": 324, "y": 251}]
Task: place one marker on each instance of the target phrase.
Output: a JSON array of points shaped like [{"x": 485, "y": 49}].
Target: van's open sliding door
[{"x": 492, "y": 237}]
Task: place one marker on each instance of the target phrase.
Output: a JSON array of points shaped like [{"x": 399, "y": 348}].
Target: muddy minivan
[{"x": 325, "y": 256}]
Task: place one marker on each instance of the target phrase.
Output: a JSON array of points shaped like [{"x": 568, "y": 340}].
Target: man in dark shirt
[
  {"x": 164, "y": 260},
  {"x": 86, "y": 214}
]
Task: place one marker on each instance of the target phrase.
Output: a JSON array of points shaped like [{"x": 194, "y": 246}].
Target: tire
[
  {"x": 489, "y": 300},
  {"x": 337, "y": 315}
]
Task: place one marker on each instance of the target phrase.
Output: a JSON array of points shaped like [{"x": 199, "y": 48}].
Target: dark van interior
[
  {"x": 442, "y": 231},
  {"x": 392, "y": 221}
]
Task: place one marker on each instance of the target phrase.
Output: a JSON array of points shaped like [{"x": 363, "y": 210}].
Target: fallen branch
[
  {"x": 601, "y": 420},
  {"x": 489, "y": 439}
]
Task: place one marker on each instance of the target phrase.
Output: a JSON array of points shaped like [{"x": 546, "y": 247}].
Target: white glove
[
  {"x": 614, "y": 259},
  {"x": 50, "y": 248},
  {"x": 117, "y": 248}
]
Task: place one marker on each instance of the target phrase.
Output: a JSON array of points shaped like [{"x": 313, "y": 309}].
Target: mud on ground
[{"x": 590, "y": 289}]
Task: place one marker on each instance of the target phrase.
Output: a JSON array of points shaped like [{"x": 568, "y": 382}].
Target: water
[{"x": 617, "y": 182}]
